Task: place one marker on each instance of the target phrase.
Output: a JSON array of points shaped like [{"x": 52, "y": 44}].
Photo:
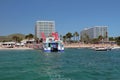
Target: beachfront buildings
[
  {"x": 44, "y": 26},
  {"x": 94, "y": 32}
]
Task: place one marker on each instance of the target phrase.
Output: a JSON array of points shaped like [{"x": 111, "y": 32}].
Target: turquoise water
[{"x": 73, "y": 64}]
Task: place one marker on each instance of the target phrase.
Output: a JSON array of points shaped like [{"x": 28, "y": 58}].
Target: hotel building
[
  {"x": 94, "y": 32},
  {"x": 44, "y": 26}
]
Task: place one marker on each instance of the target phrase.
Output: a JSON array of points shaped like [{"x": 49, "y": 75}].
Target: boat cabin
[{"x": 52, "y": 44}]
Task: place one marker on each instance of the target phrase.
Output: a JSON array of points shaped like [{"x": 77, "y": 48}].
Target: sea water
[{"x": 72, "y": 64}]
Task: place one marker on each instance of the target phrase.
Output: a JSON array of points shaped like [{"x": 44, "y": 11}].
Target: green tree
[
  {"x": 76, "y": 36},
  {"x": 16, "y": 38},
  {"x": 94, "y": 41},
  {"x": 69, "y": 36},
  {"x": 86, "y": 38},
  {"x": 111, "y": 39},
  {"x": 64, "y": 38},
  {"x": 118, "y": 40},
  {"x": 100, "y": 38},
  {"x": 29, "y": 36}
]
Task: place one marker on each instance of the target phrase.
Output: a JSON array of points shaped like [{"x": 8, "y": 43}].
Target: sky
[{"x": 20, "y": 16}]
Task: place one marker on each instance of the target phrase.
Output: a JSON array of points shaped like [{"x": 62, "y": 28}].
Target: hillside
[
  {"x": 9, "y": 37},
  {"x": 17, "y": 34}
]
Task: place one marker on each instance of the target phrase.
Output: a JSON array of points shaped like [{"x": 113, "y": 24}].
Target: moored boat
[
  {"x": 52, "y": 44},
  {"x": 101, "y": 49},
  {"x": 115, "y": 48}
]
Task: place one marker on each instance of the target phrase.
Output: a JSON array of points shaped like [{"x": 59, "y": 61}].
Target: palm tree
[
  {"x": 100, "y": 38},
  {"x": 64, "y": 38},
  {"x": 69, "y": 36},
  {"x": 76, "y": 36}
]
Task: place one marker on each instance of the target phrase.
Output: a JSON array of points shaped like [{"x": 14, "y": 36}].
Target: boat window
[
  {"x": 55, "y": 45},
  {"x": 49, "y": 45}
]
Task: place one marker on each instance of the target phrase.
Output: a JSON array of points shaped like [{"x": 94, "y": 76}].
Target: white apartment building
[
  {"x": 94, "y": 32},
  {"x": 44, "y": 26}
]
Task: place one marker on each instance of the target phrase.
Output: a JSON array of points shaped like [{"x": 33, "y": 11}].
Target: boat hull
[
  {"x": 101, "y": 49},
  {"x": 49, "y": 51}
]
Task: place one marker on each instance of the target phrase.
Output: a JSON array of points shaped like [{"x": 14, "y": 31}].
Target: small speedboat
[
  {"x": 101, "y": 49},
  {"x": 115, "y": 48}
]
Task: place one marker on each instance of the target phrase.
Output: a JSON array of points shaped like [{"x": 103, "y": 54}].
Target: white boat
[
  {"x": 114, "y": 48},
  {"x": 101, "y": 49},
  {"x": 53, "y": 44}
]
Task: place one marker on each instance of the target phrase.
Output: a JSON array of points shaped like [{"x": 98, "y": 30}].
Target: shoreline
[
  {"x": 77, "y": 45},
  {"x": 72, "y": 45},
  {"x": 16, "y": 48}
]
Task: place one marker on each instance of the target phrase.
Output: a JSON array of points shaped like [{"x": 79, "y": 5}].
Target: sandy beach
[
  {"x": 72, "y": 45},
  {"x": 79, "y": 45}
]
